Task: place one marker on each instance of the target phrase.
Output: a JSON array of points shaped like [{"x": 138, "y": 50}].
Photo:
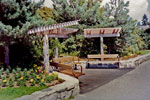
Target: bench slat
[{"x": 104, "y": 56}]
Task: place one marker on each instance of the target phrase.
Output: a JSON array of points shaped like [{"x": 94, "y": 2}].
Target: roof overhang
[
  {"x": 51, "y": 27},
  {"x": 102, "y": 32}
]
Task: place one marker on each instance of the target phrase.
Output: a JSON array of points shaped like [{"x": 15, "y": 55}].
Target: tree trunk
[{"x": 6, "y": 60}]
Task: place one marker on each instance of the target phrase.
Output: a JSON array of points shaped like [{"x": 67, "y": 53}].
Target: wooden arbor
[
  {"x": 102, "y": 32},
  {"x": 56, "y": 31}
]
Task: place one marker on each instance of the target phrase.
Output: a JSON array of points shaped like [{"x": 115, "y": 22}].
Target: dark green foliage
[
  {"x": 11, "y": 83},
  {"x": 130, "y": 40},
  {"x": 48, "y": 79},
  {"x": 7, "y": 73},
  {"x": 25, "y": 75},
  {"x": 113, "y": 14},
  {"x": 17, "y": 17},
  {"x": 89, "y": 14}
]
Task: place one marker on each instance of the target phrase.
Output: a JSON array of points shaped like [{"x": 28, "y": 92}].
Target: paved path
[{"x": 134, "y": 85}]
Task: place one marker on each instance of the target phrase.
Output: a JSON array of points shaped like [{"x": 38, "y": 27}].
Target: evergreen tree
[
  {"x": 89, "y": 12},
  {"x": 130, "y": 40},
  {"x": 17, "y": 16}
]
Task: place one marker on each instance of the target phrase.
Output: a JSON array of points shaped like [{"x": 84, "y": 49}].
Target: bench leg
[
  {"x": 88, "y": 65},
  {"x": 118, "y": 62},
  {"x": 75, "y": 67}
]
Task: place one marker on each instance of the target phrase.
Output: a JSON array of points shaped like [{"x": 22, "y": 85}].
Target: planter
[
  {"x": 134, "y": 62},
  {"x": 68, "y": 88}
]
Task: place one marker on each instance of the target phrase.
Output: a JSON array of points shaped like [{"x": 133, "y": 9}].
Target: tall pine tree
[
  {"x": 17, "y": 16},
  {"x": 130, "y": 40}
]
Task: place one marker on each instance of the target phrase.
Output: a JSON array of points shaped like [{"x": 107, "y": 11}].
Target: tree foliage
[
  {"x": 92, "y": 15},
  {"x": 17, "y": 17}
]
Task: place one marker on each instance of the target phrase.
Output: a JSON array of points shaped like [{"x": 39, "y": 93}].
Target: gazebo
[
  {"x": 101, "y": 33},
  {"x": 57, "y": 31}
]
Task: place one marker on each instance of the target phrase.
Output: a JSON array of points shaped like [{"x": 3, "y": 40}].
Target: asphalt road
[{"x": 134, "y": 85}]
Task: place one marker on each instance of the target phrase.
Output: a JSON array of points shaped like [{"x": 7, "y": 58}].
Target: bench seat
[
  {"x": 103, "y": 56},
  {"x": 66, "y": 65}
]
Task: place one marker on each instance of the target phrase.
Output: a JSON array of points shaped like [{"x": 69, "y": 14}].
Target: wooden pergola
[
  {"x": 57, "y": 31},
  {"x": 101, "y": 32}
]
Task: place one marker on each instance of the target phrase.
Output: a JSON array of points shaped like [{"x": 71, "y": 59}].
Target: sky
[{"x": 137, "y": 7}]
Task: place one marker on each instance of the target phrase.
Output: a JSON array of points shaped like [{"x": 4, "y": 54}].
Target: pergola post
[
  {"x": 56, "y": 50},
  {"x": 101, "y": 47},
  {"x": 46, "y": 53}
]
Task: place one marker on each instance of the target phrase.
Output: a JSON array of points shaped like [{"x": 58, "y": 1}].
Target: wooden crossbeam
[
  {"x": 102, "y": 32},
  {"x": 50, "y": 27}
]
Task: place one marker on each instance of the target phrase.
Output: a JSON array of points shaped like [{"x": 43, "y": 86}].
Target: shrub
[
  {"x": 32, "y": 82},
  {"x": 4, "y": 82},
  {"x": 42, "y": 83},
  {"x": 7, "y": 73},
  {"x": 48, "y": 79},
  {"x": 14, "y": 71},
  {"x": 11, "y": 83}
]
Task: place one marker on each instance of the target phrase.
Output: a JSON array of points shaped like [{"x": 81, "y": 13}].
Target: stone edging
[
  {"x": 134, "y": 62},
  {"x": 68, "y": 88}
]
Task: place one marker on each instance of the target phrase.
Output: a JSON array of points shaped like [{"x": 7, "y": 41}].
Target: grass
[
  {"x": 12, "y": 93},
  {"x": 143, "y": 52}
]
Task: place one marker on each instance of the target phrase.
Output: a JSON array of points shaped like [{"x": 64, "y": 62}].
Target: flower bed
[{"x": 32, "y": 77}]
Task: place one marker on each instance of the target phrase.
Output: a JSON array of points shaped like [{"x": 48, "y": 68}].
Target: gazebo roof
[
  {"x": 55, "y": 26},
  {"x": 59, "y": 32},
  {"x": 102, "y": 32}
]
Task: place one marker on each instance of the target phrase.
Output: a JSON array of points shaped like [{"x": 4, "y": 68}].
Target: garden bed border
[
  {"x": 134, "y": 62},
  {"x": 70, "y": 87}
]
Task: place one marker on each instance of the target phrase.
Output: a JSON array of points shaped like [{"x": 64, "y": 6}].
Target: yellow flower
[
  {"x": 38, "y": 68},
  {"x": 42, "y": 80},
  {"x": 35, "y": 70},
  {"x": 31, "y": 80},
  {"x": 4, "y": 81},
  {"x": 21, "y": 78},
  {"x": 56, "y": 74},
  {"x": 50, "y": 74},
  {"x": 38, "y": 77},
  {"x": 34, "y": 65}
]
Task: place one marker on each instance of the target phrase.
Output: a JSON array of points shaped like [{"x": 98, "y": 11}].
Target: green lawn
[
  {"x": 143, "y": 52},
  {"x": 12, "y": 93}
]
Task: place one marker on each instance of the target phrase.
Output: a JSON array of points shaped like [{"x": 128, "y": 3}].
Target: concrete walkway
[{"x": 134, "y": 85}]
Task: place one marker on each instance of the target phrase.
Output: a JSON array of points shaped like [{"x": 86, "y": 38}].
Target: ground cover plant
[
  {"x": 32, "y": 77},
  {"x": 16, "y": 82}
]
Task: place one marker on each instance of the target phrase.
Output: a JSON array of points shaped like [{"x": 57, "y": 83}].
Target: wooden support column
[
  {"x": 46, "y": 53},
  {"x": 56, "y": 50},
  {"x": 101, "y": 47}
]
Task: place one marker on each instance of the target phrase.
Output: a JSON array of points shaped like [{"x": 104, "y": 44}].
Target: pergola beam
[
  {"x": 102, "y": 32},
  {"x": 50, "y": 27}
]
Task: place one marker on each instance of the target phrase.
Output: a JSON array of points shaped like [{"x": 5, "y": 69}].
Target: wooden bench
[
  {"x": 109, "y": 56},
  {"x": 67, "y": 64}
]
